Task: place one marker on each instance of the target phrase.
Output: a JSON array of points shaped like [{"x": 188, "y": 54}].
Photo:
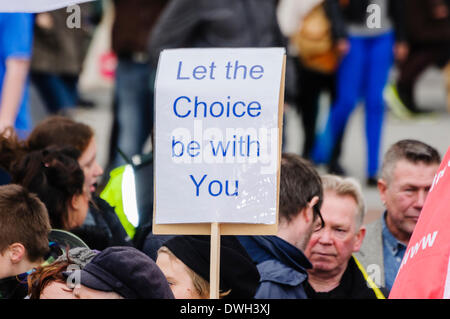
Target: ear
[
  {"x": 382, "y": 188},
  {"x": 17, "y": 252},
  {"x": 313, "y": 201},
  {"x": 359, "y": 239},
  {"x": 76, "y": 202},
  {"x": 305, "y": 212}
]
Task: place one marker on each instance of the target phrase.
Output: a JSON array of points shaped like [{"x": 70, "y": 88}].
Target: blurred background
[{"x": 92, "y": 79}]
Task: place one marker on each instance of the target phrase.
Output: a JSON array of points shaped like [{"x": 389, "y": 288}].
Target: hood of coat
[{"x": 263, "y": 248}]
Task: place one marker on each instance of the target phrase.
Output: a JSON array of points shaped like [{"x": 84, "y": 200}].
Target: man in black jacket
[{"x": 336, "y": 273}]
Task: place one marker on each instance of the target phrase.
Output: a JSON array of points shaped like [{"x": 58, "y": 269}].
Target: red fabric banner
[{"x": 424, "y": 272}]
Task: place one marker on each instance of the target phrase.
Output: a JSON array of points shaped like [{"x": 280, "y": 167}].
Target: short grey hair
[
  {"x": 412, "y": 151},
  {"x": 347, "y": 186}
]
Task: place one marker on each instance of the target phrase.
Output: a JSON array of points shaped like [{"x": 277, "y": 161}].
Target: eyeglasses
[{"x": 316, "y": 213}]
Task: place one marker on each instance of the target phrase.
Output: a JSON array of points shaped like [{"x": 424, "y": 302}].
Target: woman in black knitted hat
[{"x": 185, "y": 261}]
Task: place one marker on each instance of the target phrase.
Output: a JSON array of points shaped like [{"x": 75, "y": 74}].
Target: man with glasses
[
  {"x": 409, "y": 167},
  {"x": 280, "y": 259},
  {"x": 336, "y": 273}
]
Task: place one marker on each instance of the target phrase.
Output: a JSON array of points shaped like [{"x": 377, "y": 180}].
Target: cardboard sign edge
[{"x": 230, "y": 228}]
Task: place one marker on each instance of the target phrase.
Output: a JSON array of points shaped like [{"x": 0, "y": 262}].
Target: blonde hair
[
  {"x": 201, "y": 285},
  {"x": 347, "y": 186}
]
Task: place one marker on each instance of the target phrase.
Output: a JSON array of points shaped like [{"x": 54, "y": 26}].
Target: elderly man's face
[
  {"x": 331, "y": 247},
  {"x": 405, "y": 194}
]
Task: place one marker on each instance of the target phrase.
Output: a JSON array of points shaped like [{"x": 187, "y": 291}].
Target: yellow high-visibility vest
[
  {"x": 369, "y": 280},
  {"x": 118, "y": 194}
]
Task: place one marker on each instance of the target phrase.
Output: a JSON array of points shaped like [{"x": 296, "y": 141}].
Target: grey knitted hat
[{"x": 79, "y": 256}]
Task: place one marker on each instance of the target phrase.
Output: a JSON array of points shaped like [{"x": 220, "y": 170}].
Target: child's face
[
  {"x": 5, "y": 265},
  {"x": 14, "y": 261},
  {"x": 178, "y": 277}
]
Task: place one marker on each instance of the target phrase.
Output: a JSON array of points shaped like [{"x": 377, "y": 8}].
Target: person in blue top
[
  {"x": 280, "y": 259},
  {"x": 375, "y": 35},
  {"x": 16, "y": 38}
]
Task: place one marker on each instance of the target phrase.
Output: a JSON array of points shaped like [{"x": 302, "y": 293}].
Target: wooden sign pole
[
  {"x": 214, "y": 270},
  {"x": 215, "y": 229},
  {"x": 205, "y": 228}
]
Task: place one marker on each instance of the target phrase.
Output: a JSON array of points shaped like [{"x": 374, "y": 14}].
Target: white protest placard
[
  {"x": 36, "y": 5},
  {"x": 217, "y": 135}
]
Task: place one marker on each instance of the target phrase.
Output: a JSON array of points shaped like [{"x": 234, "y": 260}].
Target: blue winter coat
[{"x": 282, "y": 267}]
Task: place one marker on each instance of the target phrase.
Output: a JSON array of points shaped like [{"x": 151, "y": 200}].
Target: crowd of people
[
  {"x": 60, "y": 238},
  {"x": 322, "y": 248}
]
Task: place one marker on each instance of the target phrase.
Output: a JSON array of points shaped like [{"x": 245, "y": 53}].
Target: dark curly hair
[
  {"x": 54, "y": 130},
  {"x": 55, "y": 176}
]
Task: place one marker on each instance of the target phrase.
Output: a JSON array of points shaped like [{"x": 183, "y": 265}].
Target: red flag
[{"x": 424, "y": 272}]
